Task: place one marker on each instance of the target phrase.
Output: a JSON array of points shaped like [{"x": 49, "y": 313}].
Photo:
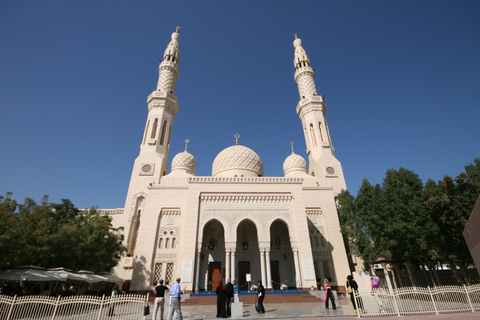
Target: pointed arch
[
  {"x": 164, "y": 129},
  {"x": 154, "y": 128},
  {"x": 135, "y": 226},
  {"x": 312, "y": 135}
]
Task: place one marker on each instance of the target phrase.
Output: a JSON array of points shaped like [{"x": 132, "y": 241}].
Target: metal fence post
[
  {"x": 468, "y": 298},
  {"x": 56, "y": 308},
  {"x": 355, "y": 296},
  {"x": 433, "y": 300},
  {"x": 100, "y": 309},
  {"x": 11, "y": 307},
  {"x": 394, "y": 295}
]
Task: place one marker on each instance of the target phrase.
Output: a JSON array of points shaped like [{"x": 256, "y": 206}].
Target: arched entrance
[
  {"x": 212, "y": 255},
  {"x": 247, "y": 255},
  {"x": 282, "y": 268}
]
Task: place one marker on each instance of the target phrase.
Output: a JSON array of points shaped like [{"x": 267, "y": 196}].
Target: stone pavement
[
  {"x": 303, "y": 311},
  {"x": 273, "y": 310}
]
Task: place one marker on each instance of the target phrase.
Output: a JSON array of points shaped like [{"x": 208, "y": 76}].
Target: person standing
[
  {"x": 235, "y": 292},
  {"x": 352, "y": 287},
  {"x": 159, "y": 300},
  {"x": 175, "y": 296},
  {"x": 221, "y": 300},
  {"x": 261, "y": 296},
  {"x": 115, "y": 292},
  {"x": 328, "y": 295},
  {"x": 229, "y": 293}
]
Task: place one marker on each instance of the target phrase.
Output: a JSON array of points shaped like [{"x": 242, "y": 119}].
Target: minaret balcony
[{"x": 311, "y": 103}]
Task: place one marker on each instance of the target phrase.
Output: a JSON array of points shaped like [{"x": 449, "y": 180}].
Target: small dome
[
  {"x": 237, "y": 161},
  {"x": 294, "y": 164},
  {"x": 184, "y": 161},
  {"x": 297, "y": 43}
]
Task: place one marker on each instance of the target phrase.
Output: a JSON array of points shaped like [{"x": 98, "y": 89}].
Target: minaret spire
[
  {"x": 305, "y": 75},
  {"x": 312, "y": 111},
  {"x": 162, "y": 108},
  {"x": 168, "y": 71}
]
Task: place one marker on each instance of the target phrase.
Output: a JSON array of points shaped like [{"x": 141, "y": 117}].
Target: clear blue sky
[{"x": 401, "y": 81}]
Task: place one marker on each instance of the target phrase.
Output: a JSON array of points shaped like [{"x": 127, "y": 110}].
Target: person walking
[
  {"x": 229, "y": 297},
  {"x": 221, "y": 300},
  {"x": 235, "y": 292},
  {"x": 159, "y": 300},
  {"x": 328, "y": 295},
  {"x": 261, "y": 296},
  {"x": 352, "y": 287},
  {"x": 175, "y": 296}
]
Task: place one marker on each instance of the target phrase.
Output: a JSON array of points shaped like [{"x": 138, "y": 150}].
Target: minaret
[
  {"x": 312, "y": 111},
  {"x": 151, "y": 164},
  {"x": 162, "y": 107}
]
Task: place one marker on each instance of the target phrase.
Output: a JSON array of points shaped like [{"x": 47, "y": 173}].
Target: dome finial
[
  {"x": 295, "y": 35},
  {"x": 291, "y": 144},
  {"x": 186, "y": 144},
  {"x": 236, "y": 138},
  {"x": 176, "y": 29}
]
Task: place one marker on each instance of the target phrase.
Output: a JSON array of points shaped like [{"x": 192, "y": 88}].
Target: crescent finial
[
  {"x": 186, "y": 144},
  {"x": 176, "y": 29},
  {"x": 291, "y": 144},
  {"x": 236, "y": 138}
]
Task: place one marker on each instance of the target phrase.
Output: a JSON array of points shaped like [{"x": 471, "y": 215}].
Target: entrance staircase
[{"x": 270, "y": 297}]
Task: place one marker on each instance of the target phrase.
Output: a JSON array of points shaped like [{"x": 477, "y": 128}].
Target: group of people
[
  {"x": 351, "y": 286},
  {"x": 225, "y": 294},
  {"x": 175, "y": 297}
]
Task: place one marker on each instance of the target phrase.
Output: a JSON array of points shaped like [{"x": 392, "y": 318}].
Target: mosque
[{"x": 236, "y": 223}]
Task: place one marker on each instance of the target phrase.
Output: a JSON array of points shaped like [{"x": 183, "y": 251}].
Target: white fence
[
  {"x": 125, "y": 306},
  {"x": 416, "y": 301}
]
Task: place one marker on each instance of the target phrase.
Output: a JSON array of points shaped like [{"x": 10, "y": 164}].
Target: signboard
[
  {"x": 248, "y": 276},
  {"x": 187, "y": 270},
  {"x": 308, "y": 269}
]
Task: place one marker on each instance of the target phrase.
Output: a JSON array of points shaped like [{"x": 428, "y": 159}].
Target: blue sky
[{"x": 401, "y": 81}]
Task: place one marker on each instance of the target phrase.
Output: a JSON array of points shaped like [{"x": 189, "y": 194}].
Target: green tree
[
  {"x": 453, "y": 204},
  {"x": 60, "y": 235},
  {"x": 9, "y": 231}
]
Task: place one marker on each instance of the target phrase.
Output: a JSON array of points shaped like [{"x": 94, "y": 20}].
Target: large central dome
[{"x": 237, "y": 161}]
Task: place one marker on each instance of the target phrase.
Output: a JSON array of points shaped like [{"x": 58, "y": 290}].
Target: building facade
[{"x": 235, "y": 223}]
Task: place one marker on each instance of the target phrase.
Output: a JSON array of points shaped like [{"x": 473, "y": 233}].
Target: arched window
[
  {"x": 312, "y": 134},
  {"x": 320, "y": 129},
  {"x": 173, "y": 243},
  {"x": 146, "y": 130},
  {"x": 134, "y": 233},
  {"x": 160, "y": 243},
  {"x": 164, "y": 128},
  {"x": 154, "y": 129},
  {"x": 167, "y": 243}
]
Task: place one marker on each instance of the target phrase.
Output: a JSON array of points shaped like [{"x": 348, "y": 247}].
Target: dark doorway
[
  {"x": 275, "y": 273},
  {"x": 214, "y": 275},
  {"x": 243, "y": 269}
]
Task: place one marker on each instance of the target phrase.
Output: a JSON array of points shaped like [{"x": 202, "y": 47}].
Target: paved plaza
[{"x": 304, "y": 311}]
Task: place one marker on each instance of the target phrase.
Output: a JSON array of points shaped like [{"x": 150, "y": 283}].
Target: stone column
[
  {"x": 227, "y": 264},
  {"x": 232, "y": 265},
  {"x": 269, "y": 271},
  {"x": 262, "y": 264},
  {"x": 387, "y": 277},
  {"x": 197, "y": 271},
  {"x": 298, "y": 282}
]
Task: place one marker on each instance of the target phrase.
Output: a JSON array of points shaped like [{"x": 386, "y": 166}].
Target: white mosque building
[{"x": 236, "y": 223}]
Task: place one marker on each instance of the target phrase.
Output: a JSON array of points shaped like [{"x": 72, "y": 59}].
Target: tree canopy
[
  {"x": 57, "y": 235},
  {"x": 406, "y": 220}
]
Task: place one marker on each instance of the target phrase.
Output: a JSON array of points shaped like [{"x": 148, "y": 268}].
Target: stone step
[{"x": 251, "y": 299}]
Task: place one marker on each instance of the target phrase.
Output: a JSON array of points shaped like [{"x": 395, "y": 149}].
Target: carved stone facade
[{"x": 235, "y": 223}]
